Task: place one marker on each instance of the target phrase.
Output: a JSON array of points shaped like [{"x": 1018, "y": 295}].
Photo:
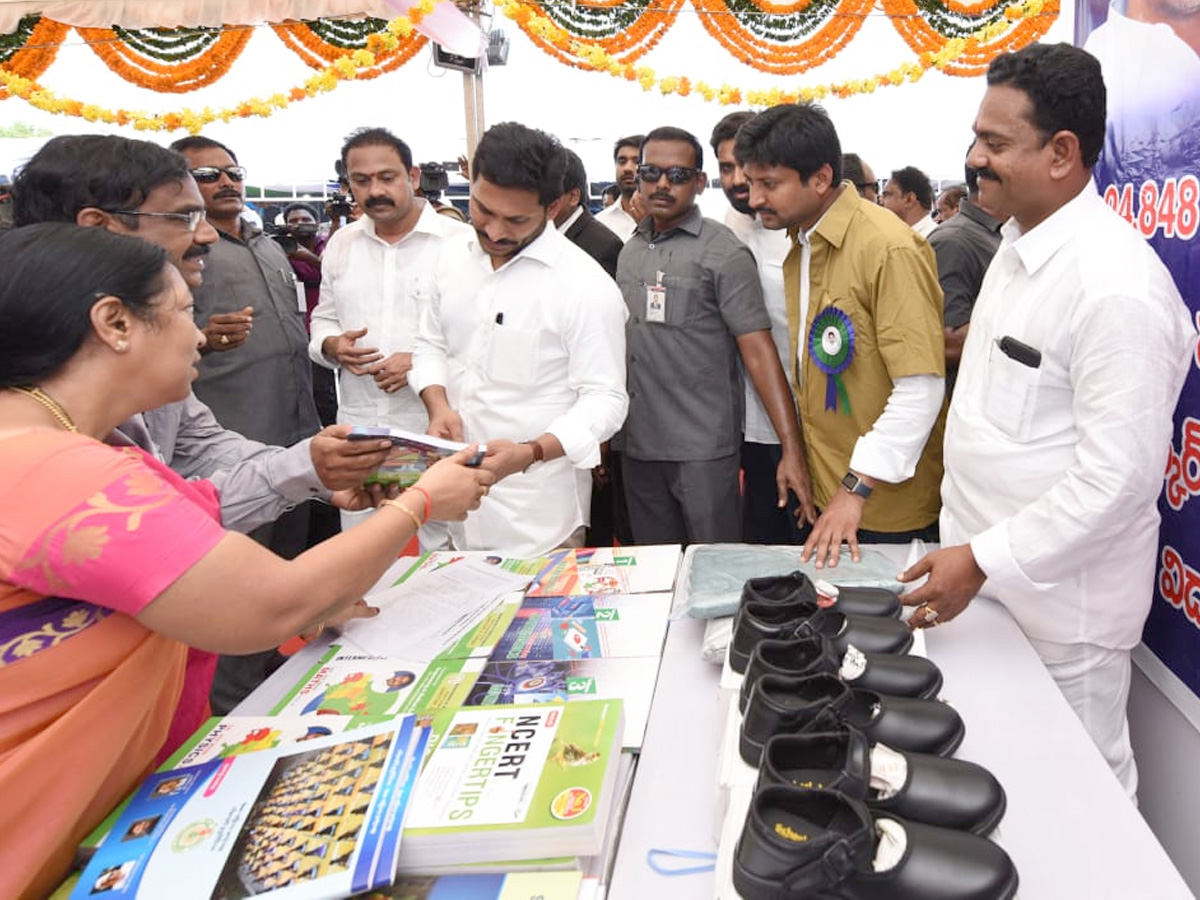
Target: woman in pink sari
[{"x": 110, "y": 564}]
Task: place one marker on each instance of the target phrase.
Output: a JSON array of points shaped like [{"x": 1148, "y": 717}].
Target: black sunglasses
[
  {"x": 675, "y": 174},
  {"x": 210, "y": 174}
]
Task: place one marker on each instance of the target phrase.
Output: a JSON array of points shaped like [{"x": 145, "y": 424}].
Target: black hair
[
  {"x": 912, "y": 180},
  {"x": 512, "y": 155},
  {"x": 799, "y": 136},
  {"x": 728, "y": 127},
  {"x": 852, "y": 169},
  {"x": 575, "y": 175},
  {"x": 1065, "y": 87},
  {"x": 632, "y": 140},
  {"x": 377, "y": 137},
  {"x": 72, "y": 172},
  {"x": 300, "y": 204},
  {"x": 67, "y": 268},
  {"x": 200, "y": 142},
  {"x": 613, "y": 190},
  {"x": 670, "y": 133}
]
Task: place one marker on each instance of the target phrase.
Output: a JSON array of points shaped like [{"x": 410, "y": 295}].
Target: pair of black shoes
[
  {"x": 800, "y": 843},
  {"x": 787, "y": 704},
  {"x": 886, "y": 673},
  {"x": 781, "y": 608}
]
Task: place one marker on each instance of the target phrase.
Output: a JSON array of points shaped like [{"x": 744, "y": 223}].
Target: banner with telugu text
[{"x": 1148, "y": 173}]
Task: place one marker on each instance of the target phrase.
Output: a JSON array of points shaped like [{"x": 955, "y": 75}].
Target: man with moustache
[
  {"x": 695, "y": 308},
  {"x": 521, "y": 345},
  {"x": 763, "y": 522},
  {"x": 909, "y": 195},
  {"x": 255, "y": 373},
  {"x": 375, "y": 275},
  {"x": 865, "y": 336},
  {"x": 1060, "y": 425},
  {"x": 140, "y": 189},
  {"x": 622, "y": 217}
]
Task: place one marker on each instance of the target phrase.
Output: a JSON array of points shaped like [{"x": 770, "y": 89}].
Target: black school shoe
[
  {"x": 887, "y": 673},
  {"x": 781, "y": 704},
  {"x": 756, "y": 622},
  {"x": 948, "y": 793},
  {"x": 797, "y": 588},
  {"x": 799, "y": 844}
]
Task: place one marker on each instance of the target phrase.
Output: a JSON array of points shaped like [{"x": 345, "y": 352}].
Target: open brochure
[
  {"x": 608, "y": 570},
  {"x": 319, "y": 821},
  {"x": 411, "y": 454}
]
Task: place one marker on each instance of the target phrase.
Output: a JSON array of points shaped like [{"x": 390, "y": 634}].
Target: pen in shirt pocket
[
  {"x": 1019, "y": 351},
  {"x": 499, "y": 318}
]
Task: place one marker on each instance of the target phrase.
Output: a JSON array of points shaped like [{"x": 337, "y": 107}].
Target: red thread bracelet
[{"x": 428, "y": 502}]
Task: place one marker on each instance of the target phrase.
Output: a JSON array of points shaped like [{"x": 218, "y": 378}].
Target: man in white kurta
[
  {"x": 521, "y": 344},
  {"x": 1059, "y": 428},
  {"x": 373, "y": 273}
]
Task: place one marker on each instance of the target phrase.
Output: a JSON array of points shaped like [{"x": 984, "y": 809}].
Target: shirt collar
[
  {"x": 978, "y": 214},
  {"x": 574, "y": 217},
  {"x": 835, "y": 222},
  {"x": 1036, "y": 246},
  {"x": 691, "y": 223},
  {"x": 427, "y": 223},
  {"x": 546, "y": 249}
]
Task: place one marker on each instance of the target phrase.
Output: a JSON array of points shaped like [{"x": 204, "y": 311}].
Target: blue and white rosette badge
[{"x": 831, "y": 345}]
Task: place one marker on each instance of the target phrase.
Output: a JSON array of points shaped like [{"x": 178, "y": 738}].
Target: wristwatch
[{"x": 856, "y": 485}]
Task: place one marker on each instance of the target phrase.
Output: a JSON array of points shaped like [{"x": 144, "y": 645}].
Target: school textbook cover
[
  {"x": 319, "y": 820},
  {"x": 411, "y": 453},
  {"x": 514, "y": 782}
]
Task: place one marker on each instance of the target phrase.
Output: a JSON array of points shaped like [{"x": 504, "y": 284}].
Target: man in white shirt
[
  {"x": 521, "y": 344},
  {"x": 623, "y": 216},
  {"x": 374, "y": 273},
  {"x": 763, "y": 522},
  {"x": 909, "y": 195},
  {"x": 1060, "y": 423}
]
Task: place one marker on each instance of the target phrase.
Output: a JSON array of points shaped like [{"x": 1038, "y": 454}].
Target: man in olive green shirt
[{"x": 865, "y": 323}]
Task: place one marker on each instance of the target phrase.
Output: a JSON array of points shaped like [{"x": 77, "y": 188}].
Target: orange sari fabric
[{"x": 87, "y": 694}]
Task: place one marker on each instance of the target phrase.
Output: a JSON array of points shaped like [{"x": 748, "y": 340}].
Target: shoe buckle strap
[{"x": 831, "y": 868}]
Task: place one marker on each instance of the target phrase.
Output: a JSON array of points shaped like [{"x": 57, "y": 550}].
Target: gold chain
[{"x": 51, "y": 404}]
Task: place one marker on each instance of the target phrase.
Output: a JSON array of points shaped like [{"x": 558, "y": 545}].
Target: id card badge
[{"x": 656, "y": 301}]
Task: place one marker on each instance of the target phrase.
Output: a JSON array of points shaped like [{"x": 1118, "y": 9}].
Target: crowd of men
[{"x": 783, "y": 376}]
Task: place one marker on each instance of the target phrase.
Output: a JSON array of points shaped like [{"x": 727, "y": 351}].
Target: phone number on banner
[{"x": 1172, "y": 207}]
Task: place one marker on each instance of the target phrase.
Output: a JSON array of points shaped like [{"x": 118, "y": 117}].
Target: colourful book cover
[
  {"x": 411, "y": 453},
  {"x": 517, "y": 782},
  {"x": 436, "y": 559},
  {"x": 222, "y": 737},
  {"x": 608, "y": 570},
  {"x": 345, "y": 683},
  {"x": 630, "y": 680},
  {"x": 585, "y": 627},
  {"x": 320, "y": 822}
]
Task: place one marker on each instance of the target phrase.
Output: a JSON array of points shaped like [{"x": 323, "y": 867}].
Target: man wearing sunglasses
[
  {"x": 695, "y": 307},
  {"x": 259, "y": 379}
]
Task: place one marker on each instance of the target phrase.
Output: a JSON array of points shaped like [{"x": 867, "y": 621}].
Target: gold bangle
[{"x": 395, "y": 501}]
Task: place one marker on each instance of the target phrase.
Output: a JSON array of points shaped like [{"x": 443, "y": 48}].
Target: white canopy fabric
[{"x": 446, "y": 25}]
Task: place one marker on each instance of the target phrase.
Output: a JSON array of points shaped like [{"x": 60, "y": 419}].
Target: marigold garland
[
  {"x": 1005, "y": 31},
  {"x": 38, "y": 49},
  {"x": 628, "y": 29},
  {"x": 923, "y": 35},
  {"x": 320, "y": 47},
  {"x": 206, "y": 56}
]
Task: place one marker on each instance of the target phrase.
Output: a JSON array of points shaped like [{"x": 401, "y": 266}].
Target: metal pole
[{"x": 473, "y": 89}]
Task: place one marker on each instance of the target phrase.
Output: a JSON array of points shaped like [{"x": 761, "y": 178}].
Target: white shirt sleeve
[
  {"x": 429, "y": 365},
  {"x": 595, "y": 338},
  {"x": 324, "y": 320},
  {"x": 892, "y": 448}
]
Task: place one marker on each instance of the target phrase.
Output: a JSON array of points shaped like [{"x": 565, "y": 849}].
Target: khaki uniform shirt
[{"x": 870, "y": 265}]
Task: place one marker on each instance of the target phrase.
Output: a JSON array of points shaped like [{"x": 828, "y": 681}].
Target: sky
[{"x": 927, "y": 124}]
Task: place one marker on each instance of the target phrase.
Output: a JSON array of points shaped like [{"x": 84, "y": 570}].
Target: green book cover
[{"x": 514, "y": 782}]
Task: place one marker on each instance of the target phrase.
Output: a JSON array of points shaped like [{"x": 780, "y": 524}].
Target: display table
[{"x": 1069, "y": 826}]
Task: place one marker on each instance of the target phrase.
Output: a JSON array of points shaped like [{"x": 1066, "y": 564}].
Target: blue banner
[{"x": 1150, "y": 54}]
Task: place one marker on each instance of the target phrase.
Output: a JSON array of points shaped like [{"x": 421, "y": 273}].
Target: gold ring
[
  {"x": 930, "y": 613},
  {"x": 224, "y": 339}
]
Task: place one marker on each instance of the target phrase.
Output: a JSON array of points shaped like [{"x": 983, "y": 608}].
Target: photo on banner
[{"x": 1150, "y": 54}]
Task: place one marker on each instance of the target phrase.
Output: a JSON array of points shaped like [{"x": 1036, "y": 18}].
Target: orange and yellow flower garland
[
  {"x": 592, "y": 55},
  {"x": 344, "y": 68},
  {"x": 199, "y": 71},
  {"x": 300, "y": 38}
]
